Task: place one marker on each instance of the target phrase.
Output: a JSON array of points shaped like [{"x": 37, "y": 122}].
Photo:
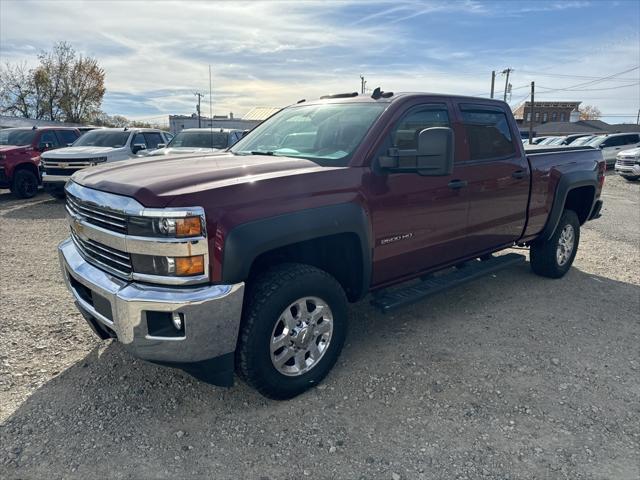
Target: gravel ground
[{"x": 513, "y": 376}]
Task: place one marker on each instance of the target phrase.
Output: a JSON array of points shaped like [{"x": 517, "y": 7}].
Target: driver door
[{"x": 418, "y": 221}]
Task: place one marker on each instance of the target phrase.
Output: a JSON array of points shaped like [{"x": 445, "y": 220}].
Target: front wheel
[
  {"x": 25, "y": 184},
  {"x": 553, "y": 258},
  {"x": 293, "y": 329}
]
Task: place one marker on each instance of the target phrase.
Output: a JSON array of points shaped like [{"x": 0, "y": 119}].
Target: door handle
[
  {"x": 519, "y": 174},
  {"x": 456, "y": 184}
]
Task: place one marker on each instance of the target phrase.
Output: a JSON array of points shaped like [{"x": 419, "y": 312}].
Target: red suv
[{"x": 20, "y": 150}]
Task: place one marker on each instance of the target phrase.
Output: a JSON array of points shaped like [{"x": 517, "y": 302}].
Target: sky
[{"x": 157, "y": 54}]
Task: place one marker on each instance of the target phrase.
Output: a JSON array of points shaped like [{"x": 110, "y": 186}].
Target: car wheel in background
[{"x": 25, "y": 184}]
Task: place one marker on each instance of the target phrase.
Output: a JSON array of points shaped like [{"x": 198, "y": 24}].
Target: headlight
[
  {"x": 98, "y": 160},
  {"x": 165, "y": 227},
  {"x": 168, "y": 266}
]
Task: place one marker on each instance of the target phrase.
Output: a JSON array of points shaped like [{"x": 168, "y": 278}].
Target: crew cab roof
[{"x": 401, "y": 96}]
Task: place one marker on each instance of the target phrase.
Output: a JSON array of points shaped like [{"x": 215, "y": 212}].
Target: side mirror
[
  {"x": 161, "y": 145},
  {"x": 434, "y": 155},
  {"x": 43, "y": 147},
  {"x": 137, "y": 147},
  {"x": 244, "y": 133}
]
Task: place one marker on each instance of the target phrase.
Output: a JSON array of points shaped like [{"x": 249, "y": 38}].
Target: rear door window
[
  {"x": 153, "y": 139},
  {"x": 631, "y": 139},
  {"x": 488, "y": 133},
  {"x": 66, "y": 137}
]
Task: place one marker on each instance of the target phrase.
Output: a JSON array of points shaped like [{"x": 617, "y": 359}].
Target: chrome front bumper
[
  {"x": 46, "y": 178},
  {"x": 211, "y": 313},
  {"x": 630, "y": 170}
]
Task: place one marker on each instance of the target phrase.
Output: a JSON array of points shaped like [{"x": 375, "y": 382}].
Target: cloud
[{"x": 156, "y": 54}]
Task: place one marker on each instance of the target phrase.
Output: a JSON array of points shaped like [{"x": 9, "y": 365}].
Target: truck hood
[
  {"x": 632, "y": 152},
  {"x": 156, "y": 181},
  {"x": 13, "y": 148},
  {"x": 79, "y": 152}
]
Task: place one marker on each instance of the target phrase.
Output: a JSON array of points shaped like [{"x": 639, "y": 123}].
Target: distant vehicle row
[{"x": 50, "y": 155}]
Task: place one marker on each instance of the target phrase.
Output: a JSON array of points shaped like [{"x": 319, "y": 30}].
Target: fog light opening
[{"x": 177, "y": 319}]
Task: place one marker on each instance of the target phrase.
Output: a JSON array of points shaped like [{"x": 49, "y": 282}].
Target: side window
[
  {"x": 138, "y": 140},
  {"x": 614, "y": 141},
  {"x": 631, "y": 139},
  {"x": 153, "y": 139},
  {"x": 488, "y": 134},
  {"x": 66, "y": 137},
  {"x": 48, "y": 137},
  {"x": 405, "y": 135}
]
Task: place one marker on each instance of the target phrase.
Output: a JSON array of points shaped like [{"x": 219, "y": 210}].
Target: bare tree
[
  {"x": 51, "y": 76},
  {"x": 18, "y": 93},
  {"x": 83, "y": 90},
  {"x": 589, "y": 112}
]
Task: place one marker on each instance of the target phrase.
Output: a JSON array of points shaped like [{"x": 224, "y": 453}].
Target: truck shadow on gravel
[
  {"x": 439, "y": 362},
  {"x": 39, "y": 208}
]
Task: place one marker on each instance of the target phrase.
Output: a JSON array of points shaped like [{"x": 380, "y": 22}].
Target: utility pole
[
  {"x": 533, "y": 90},
  {"x": 362, "y": 84},
  {"x": 199, "y": 95},
  {"x": 506, "y": 71},
  {"x": 493, "y": 82}
]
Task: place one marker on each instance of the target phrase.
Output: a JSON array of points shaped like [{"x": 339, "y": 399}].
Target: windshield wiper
[{"x": 262, "y": 152}]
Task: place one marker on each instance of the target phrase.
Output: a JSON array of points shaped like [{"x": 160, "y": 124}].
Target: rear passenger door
[
  {"x": 496, "y": 177},
  {"x": 153, "y": 139}
]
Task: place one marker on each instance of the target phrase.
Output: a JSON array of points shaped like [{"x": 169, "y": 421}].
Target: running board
[{"x": 389, "y": 300}]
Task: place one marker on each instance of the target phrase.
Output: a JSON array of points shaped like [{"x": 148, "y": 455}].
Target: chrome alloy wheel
[
  {"x": 566, "y": 244},
  {"x": 301, "y": 336}
]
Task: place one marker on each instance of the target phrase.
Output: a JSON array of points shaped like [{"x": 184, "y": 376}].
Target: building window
[
  {"x": 554, "y": 116},
  {"x": 537, "y": 116},
  {"x": 529, "y": 117},
  {"x": 545, "y": 117},
  {"x": 562, "y": 117}
]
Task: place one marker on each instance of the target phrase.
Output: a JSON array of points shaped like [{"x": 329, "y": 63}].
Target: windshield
[
  {"x": 16, "y": 136},
  {"x": 201, "y": 139},
  {"x": 596, "y": 141},
  {"x": 581, "y": 140},
  {"x": 557, "y": 141},
  {"x": 315, "y": 132},
  {"x": 103, "y": 138}
]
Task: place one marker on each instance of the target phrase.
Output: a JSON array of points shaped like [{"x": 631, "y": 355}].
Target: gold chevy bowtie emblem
[
  {"x": 77, "y": 226},
  {"x": 63, "y": 165}
]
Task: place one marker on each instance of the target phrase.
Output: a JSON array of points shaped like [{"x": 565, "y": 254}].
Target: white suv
[
  {"x": 612, "y": 144},
  {"x": 94, "y": 147},
  {"x": 628, "y": 164}
]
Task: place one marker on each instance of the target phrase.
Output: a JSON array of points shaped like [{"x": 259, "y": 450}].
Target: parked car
[
  {"x": 612, "y": 144},
  {"x": 628, "y": 164},
  {"x": 20, "y": 150},
  {"x": 200, "y": 140},
  {"x": 582, "y": 140},
  {"x": 95, "y": 147},
  {"x": 250, "y": 258},
  {"x": 549, "y": 140},
  {"x": 569, "y": 139},
  {"x": 537, "y": 140}
]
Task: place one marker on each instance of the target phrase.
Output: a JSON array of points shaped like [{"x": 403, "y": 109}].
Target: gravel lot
[{"x": 513, "y": 376}]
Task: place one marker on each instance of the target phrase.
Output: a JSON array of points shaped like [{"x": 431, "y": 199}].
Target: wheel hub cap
[
  {"x": 301, "y": 336},
  {"x": 566, "y": 243}
]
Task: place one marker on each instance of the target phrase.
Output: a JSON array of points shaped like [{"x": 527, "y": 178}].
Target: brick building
[{"x": 547, "y": 112}]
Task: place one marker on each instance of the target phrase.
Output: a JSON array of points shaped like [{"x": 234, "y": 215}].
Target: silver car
[
  {"x": 628, "y": 164},
  {"x": 613, "y": 144}
]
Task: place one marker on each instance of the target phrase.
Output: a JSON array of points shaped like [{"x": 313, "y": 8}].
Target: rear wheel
[
  {"x": 293, "y": 329},
  {"x": 553, "y": 258},
  {"x": 25, "y": 184}
]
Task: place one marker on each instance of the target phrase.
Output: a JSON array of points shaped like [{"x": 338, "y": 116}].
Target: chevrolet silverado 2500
[{"x": 247, "y": 259}]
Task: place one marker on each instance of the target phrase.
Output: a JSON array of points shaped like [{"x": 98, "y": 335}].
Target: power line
[
  {"x": 562, "y": 75},
  {"x": 590, "y": 89},
  {"x": 593, "y": 82}
]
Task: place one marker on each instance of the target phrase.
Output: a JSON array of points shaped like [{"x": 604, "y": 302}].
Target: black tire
[
  {"x": 268, "y": 296},
  {"x": 25, "y": 184},
  {"x": 59, "y": 194},
  {"x": 543, "y": 254},
  {"x": 631, "y": 178}
]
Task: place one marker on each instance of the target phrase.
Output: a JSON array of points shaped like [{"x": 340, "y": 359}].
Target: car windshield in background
[
  {"x": 103, "y": 138},
  {"x": 595, "y": 141},
  {"x": 203, "y": 139},
  {"x": 16, "y": 136},
  {"x": 581, "y": 141},
  {"x": 315, "y": 132}
]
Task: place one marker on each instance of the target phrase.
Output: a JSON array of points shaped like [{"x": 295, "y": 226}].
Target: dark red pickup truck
[
  {"x": 20, "y": 150},
  {"x": 248, "y": 259}
]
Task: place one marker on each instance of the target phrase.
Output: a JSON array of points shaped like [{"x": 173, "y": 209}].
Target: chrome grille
[
  {"x": 110, "y": 259},
  {"x": 101, "y": 217},
  {"x": 627, "y": 161}
]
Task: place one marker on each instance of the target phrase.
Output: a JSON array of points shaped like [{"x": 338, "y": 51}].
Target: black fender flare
[
  {"x": 246, "y": 242},
  {"x": 568, "y": 181}
]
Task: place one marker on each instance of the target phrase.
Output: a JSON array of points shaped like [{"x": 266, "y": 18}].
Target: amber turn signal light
[
  {"x": 188, "y": 227},
  {"x": 186, "y": 266}
]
